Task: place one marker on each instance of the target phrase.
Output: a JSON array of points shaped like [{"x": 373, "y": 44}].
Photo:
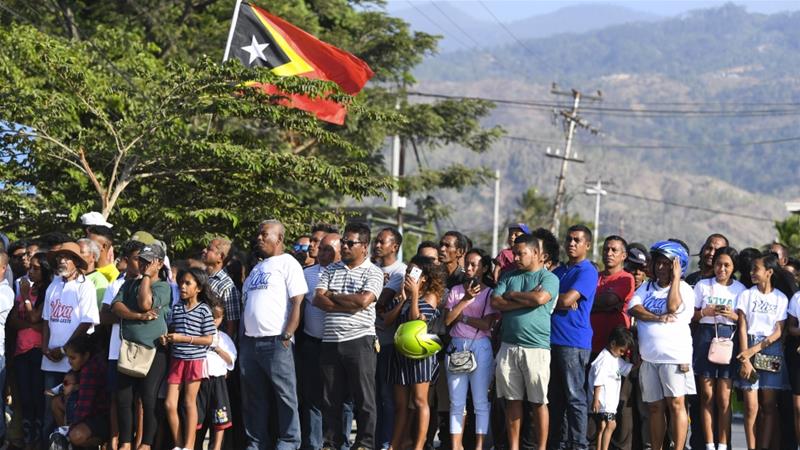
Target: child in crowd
[
  {"x": 605, "y": 377},
  {"x": 192, "y": 333},
  {"x": 213, "y": 403},
  {"x": 83, "y": 408}
]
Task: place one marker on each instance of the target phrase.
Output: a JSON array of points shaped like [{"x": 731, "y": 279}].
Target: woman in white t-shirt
[
  {"x": 762, "y": 311},
  {"x": 793, "y": 356},
  {"x": 663, "y": 308},
  {"x": 715, "y": 311}
]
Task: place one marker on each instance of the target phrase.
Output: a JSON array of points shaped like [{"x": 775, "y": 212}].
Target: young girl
[
  {"x": 715, "y": 310},
  {"x": 412, "y": 377},
  {"x": 471, "y": 317},
  {"x": 605, "y": 381},
  {"x": 213, "y": 402},
  {"x": 27, "y": 320},
  {"x": 193, "y": 332},
  {"x": 84, "y": 411},
  {"x": 762, "y": 311}
]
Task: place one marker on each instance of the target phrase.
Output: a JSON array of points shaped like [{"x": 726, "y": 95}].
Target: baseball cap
[
  {"x": 152, "y": 252},
  {"x": 636, "y": 256},
  {"x": 94, "y": 218},
  {"x": 520, "y": 226},
  {"x": 144, "y": 237}
]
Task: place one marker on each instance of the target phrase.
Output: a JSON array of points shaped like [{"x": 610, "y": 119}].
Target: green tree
[
  {"x": 789, "y": 233},
  {"x": 130, "y": 118}
]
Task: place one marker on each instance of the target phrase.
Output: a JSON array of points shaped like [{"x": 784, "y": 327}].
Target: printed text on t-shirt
[{"x": 60, "y": 312}]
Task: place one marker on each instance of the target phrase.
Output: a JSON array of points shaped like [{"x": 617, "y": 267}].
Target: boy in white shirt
[
  {"x": 605, "y": 377},
  {"x": 213, "y": 403}
]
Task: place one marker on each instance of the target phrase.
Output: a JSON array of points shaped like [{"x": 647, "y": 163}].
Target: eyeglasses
[{"x": 350, "y": 243}]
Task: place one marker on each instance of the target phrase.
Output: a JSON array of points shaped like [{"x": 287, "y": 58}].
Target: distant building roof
[{"x": 793, "y": 206}]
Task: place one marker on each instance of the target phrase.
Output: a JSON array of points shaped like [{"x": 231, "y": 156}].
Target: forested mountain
[{"x": 684, "y": 101}]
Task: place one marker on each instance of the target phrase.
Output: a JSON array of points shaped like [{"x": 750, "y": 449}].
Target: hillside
[
  {"x": 452, "y": 22},
  {"x": 720, "y": 65}
]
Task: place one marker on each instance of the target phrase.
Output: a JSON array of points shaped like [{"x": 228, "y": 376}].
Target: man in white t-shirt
[
  {"x": 272, "y": 297},
  {"x": 6, "y": 304},
  {"x": 70, "y": 310}
]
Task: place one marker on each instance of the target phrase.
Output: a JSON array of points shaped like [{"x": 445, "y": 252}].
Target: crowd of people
[{"x": 287, "y": 344}]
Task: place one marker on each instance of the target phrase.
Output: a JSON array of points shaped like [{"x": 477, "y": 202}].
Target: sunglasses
[
  {"x": 301, "y": 248},
  {"x": 350, "y": 243}
]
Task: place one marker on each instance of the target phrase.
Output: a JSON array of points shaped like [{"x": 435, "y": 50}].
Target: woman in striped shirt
[
  {"x": 192, "y": 333},
  {"x": 418, "y": 300}
]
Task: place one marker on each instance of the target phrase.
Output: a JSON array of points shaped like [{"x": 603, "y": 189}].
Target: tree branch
[
  {"x": 302, "y": 147},
  {"x": 90, "y": 173},
  {"x": 174, "y": 172}
]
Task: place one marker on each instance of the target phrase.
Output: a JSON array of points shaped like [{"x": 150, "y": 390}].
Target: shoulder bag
[
  {"x": 134, "y": 359},
  {"x": 464, "y": 361},
  {"x": 721, "y": 349}
]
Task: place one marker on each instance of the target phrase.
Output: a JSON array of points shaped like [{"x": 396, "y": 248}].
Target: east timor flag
[{"x": 259, "y": 39}]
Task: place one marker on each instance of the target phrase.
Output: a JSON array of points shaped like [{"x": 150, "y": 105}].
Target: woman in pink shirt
[
  {"x": 26, "y": 319},
  {"x": 471, "y": 317}
]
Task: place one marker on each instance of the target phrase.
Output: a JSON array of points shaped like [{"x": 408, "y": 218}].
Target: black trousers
[
  {"x": 129, "y": 388},
  {"x": 349, "y": 367}
]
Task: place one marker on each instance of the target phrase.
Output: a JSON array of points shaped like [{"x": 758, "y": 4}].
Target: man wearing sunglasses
[{"x": 347, "y": 292}]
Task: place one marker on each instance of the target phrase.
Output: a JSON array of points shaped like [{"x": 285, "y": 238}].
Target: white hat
[{"x": 94, "y": 218}]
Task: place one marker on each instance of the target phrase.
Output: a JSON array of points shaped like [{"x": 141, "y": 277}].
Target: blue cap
[{"x": 520, "y": 226}]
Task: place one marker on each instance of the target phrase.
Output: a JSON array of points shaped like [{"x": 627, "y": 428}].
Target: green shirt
[
  {"x": 100, "y": 285},
  {"x": 145, "y": 332},
  {"x": 528, "y": 327}
]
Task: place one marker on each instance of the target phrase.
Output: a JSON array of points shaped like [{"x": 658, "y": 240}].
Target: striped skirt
[{"x": 405, "y": 371}]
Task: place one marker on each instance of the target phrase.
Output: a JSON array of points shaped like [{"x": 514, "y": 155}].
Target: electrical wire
[
  {"x": 549, "y": 105},
  {"x": 436, "y": 24},
  {"x": 692, "y": 207},
  {"x": 515, "y": 38}
]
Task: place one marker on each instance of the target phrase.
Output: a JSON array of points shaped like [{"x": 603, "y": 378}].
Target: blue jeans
[
  {"x": 51, "y": 379},
  {"x": 569, "y": 407},
  {"x": 30, "y": 386},
  {"x": 384, "y": 398},
  {"x": 309, "y": 379},
  {"x": 267, "y": 365}
]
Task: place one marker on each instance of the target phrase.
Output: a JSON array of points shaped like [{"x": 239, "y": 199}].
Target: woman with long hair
[
  {"x": 26, "y": 319},
  {"x": 412, "y": 378},
  {"x": 715, "y": 311},
  {"x": 143, "y": 306},
  {"x": 762, "y": 312},
  {"x": 471, "y": 317}
]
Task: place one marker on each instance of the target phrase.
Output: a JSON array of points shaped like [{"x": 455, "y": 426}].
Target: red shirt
[
  {"x": 505, "y": 259},
  {"x": 621, "y": 284}
]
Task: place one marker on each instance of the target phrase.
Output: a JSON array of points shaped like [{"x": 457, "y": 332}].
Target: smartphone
[
  {"x": 720, "y": 308},
  {"x": 472, "y": 282},
  {"x": 415, "y": 273}
]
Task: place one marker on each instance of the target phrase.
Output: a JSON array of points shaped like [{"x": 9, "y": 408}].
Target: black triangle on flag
[{"x": 253, "y": 44}]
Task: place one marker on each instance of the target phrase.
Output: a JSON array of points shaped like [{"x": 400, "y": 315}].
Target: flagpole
[{"x": 233, "y": 27}]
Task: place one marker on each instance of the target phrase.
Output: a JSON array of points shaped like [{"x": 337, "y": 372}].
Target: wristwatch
[
  {"x": 464, "y": 319},
  {"x": 286, "y": 336}
]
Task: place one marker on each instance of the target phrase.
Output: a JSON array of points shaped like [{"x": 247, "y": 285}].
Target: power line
[
  {"x": 693, "y": 207},
  {"x": 436, "y": 24},
  {"x": 514, "y": 37},
  {"x": 548, "y": 105},
  {"x": 454, "y": 23},
  {"x": 660, "y": 146}
]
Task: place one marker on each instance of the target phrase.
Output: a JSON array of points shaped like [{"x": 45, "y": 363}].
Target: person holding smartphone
[
  {"x": 471, "y": 316},
  {"x": 422, "y": 291},
  {"x": 715, "y": 311}
]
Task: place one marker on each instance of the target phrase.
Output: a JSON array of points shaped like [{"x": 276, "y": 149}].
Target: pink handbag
[{"x": 721, "y": 349}]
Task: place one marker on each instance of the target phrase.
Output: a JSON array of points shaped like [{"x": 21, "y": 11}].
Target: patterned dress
[{"x": 406, "y": 371}]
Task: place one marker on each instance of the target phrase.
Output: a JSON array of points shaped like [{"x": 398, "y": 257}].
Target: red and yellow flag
[{"x": 259, "y": 39}]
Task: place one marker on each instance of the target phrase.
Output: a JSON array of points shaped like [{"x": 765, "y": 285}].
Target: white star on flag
[{"x": 255, "y": 50}]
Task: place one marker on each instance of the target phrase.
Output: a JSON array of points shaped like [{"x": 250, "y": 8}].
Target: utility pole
[
  {"x": 398, "y": 167},
  {"x": 496, "y": 221},
  {"x": 596, "y": 188},
  {"x": 571, "y": 120}
]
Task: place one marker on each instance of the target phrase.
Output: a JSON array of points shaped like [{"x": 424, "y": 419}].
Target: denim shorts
[
  {"x": 704, "y": 368},
  {"x": 766, "y": 380}
]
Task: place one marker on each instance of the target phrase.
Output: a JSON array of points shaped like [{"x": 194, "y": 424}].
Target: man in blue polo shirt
[{"x": 571, "y": 343}]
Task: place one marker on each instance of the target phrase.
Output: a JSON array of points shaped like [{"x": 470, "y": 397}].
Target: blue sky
[{"x": 516, "y": 9}]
